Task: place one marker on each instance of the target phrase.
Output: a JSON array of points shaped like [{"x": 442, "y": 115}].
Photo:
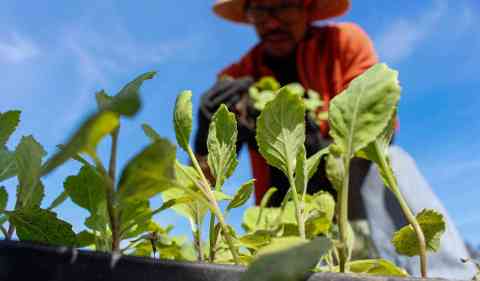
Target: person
[{"x": 324, "y": 58}]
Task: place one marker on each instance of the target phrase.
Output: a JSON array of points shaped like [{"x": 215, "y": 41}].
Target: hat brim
[{"x": 233, "y": 10}]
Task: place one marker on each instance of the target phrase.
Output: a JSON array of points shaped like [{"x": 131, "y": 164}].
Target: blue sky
[{"x": 54, "y": 55}]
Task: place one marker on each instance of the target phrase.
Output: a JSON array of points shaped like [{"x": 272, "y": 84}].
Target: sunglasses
[{"x": 285, "y": 13}]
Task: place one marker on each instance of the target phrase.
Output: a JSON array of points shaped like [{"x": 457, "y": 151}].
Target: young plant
[
  {"x": 267, "y": 87},
  {"x": 120, "y": 209},
  {"x": 280, "y": 138},
  {"x": 27, "y": 219},
  {"x": 222, "y": 161},
  {"x": 361, "y": 120}
]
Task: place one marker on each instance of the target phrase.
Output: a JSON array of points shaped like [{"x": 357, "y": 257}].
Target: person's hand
[{"x": 226, "y": 91}]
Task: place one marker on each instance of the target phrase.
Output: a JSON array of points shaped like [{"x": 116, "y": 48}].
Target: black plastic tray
[{"x": 29, "y": 261}]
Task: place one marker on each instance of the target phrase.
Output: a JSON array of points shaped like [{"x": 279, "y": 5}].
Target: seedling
[{"x": 297, "y": 236}]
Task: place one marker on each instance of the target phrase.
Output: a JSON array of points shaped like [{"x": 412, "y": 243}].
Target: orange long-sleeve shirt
[{"x": 327, "y": 60}]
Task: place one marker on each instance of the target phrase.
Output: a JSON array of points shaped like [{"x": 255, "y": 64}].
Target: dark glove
[
  {"x": 225, "y": 91},
  {"x": 314, "y": 140}
]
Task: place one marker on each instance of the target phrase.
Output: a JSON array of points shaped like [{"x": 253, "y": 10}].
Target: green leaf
[
  {"x": 292, "y": 264},
  {"x": 252, "y": 215},
  {"x": 281, "y": 131},
  {"x": 267, "y": 83},
  {"x": 334, "y": 169},
  {"x": 86, "y": 189},
  {"x": 379, "y": 267},
  {"x": 127, "y": 101},
  {"x": 433, "y": 226},
  {"x": 85, "y": 239},
  {"x": 221, "y": 144},
  {"x": 3, "y": 198},
  {"x": 103, "y": 100},
  {"x": 28, "y": 157},
  {"x": 8, "y": 123},
  {"x": 281, "y": 244},
  {"x": 296, "y": 89},
  {"x": 266, "y": 197},
  {"x": 220, "y": 196},
  {"x": 8, "y": 165},
  {"x": 316, "y": 225},
  {"x": 377, "y": 151},
  {"x": 135, "y": 218},
  {"x": 314, "y": 160},
  {"x": 358, "y": 115},
  {"x": 242, "y": 195},
  {"x": 301, "y": 173},
  {"x": 99, "y": 220},
  {"x": 85, "y": 139},
  {"x": 194, "y": 210},
  {"x": 35, "y": 224},
  {"x": 182, "y": 119},
  {"x": 325, "y": 203},
  {"x": 58, "y": 200},
  {"x": 150, "y": 133},
  {"x": 149, "y": 172},
  {"x": 37, "y": 195},
  {"x": 256, "y": 240}
]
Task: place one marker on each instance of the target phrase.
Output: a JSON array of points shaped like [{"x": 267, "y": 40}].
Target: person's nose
[{"x": 272, "y": 23}]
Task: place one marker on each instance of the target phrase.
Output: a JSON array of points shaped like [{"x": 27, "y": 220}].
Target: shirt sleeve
[{"x": 357, "y": 53}]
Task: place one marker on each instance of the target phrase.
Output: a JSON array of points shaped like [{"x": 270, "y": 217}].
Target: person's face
[{"x": 280, "y": 24}]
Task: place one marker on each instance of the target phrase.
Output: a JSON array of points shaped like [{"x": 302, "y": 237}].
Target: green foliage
[
  {"x": 289, "y": 264},
  {"x": 433, "y": 226},
  {"x": 8, "y": 123},
  {"x": 266, "y": 89},
  {"x": 100, "y": 124},
  {"x": 281, "y": 131},
  {"x": 379, "y": 267},
  {"x": 301, "y": 173},
  {"x": 85, "y": 139},
  {"x": 85, "y": 239},
  {"x": 8, "y": 166},
  {"x": 182, "y": 119},
  {"x": 360, "y": 114},
  {"x": 28, "y": 156},
  {"x": 87, "y": 190},
  {"x": 149, "y": 172},
  {"x": 3, "y": 198},
  {"x": 242, "y": 195},
  {"x": 127, "y": 101},
  {"x": 150, "y": 133},
  {"x": 221, "y": 144},
  {"x": 35, "y": 224},
  {"x": 276, "y": 240}
]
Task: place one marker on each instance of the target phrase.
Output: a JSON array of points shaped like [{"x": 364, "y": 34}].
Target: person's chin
[{"x": 278, "y": 48}]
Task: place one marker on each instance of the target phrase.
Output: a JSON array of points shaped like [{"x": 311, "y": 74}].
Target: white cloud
[
  {"x": 99, "y": 57},
  {"x": 16, "y": 48},
  {"x": 400, "y": 39}
]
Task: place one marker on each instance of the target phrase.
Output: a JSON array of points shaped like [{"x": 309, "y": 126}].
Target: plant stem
[
  {"x": 114, "y": 217},
  {"x": 197, "y": 234},
  {"x": 212, "y": 240},
  {"x": 11, "y": 227},
  {"x": 392, "y": 182},
  {"x": 298, "y": 208},
  {"x": 110, "y": 192},
  {"x": 343, "y": 216},
  {"x": 198, "y": 243},
  {"x": 113, "y": 155},
  {"x": 207, "y": 191},
  {"x": 227, "y": 236}
]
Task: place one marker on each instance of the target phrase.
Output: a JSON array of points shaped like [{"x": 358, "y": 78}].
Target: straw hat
[{"x": 233, "y": 10}]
